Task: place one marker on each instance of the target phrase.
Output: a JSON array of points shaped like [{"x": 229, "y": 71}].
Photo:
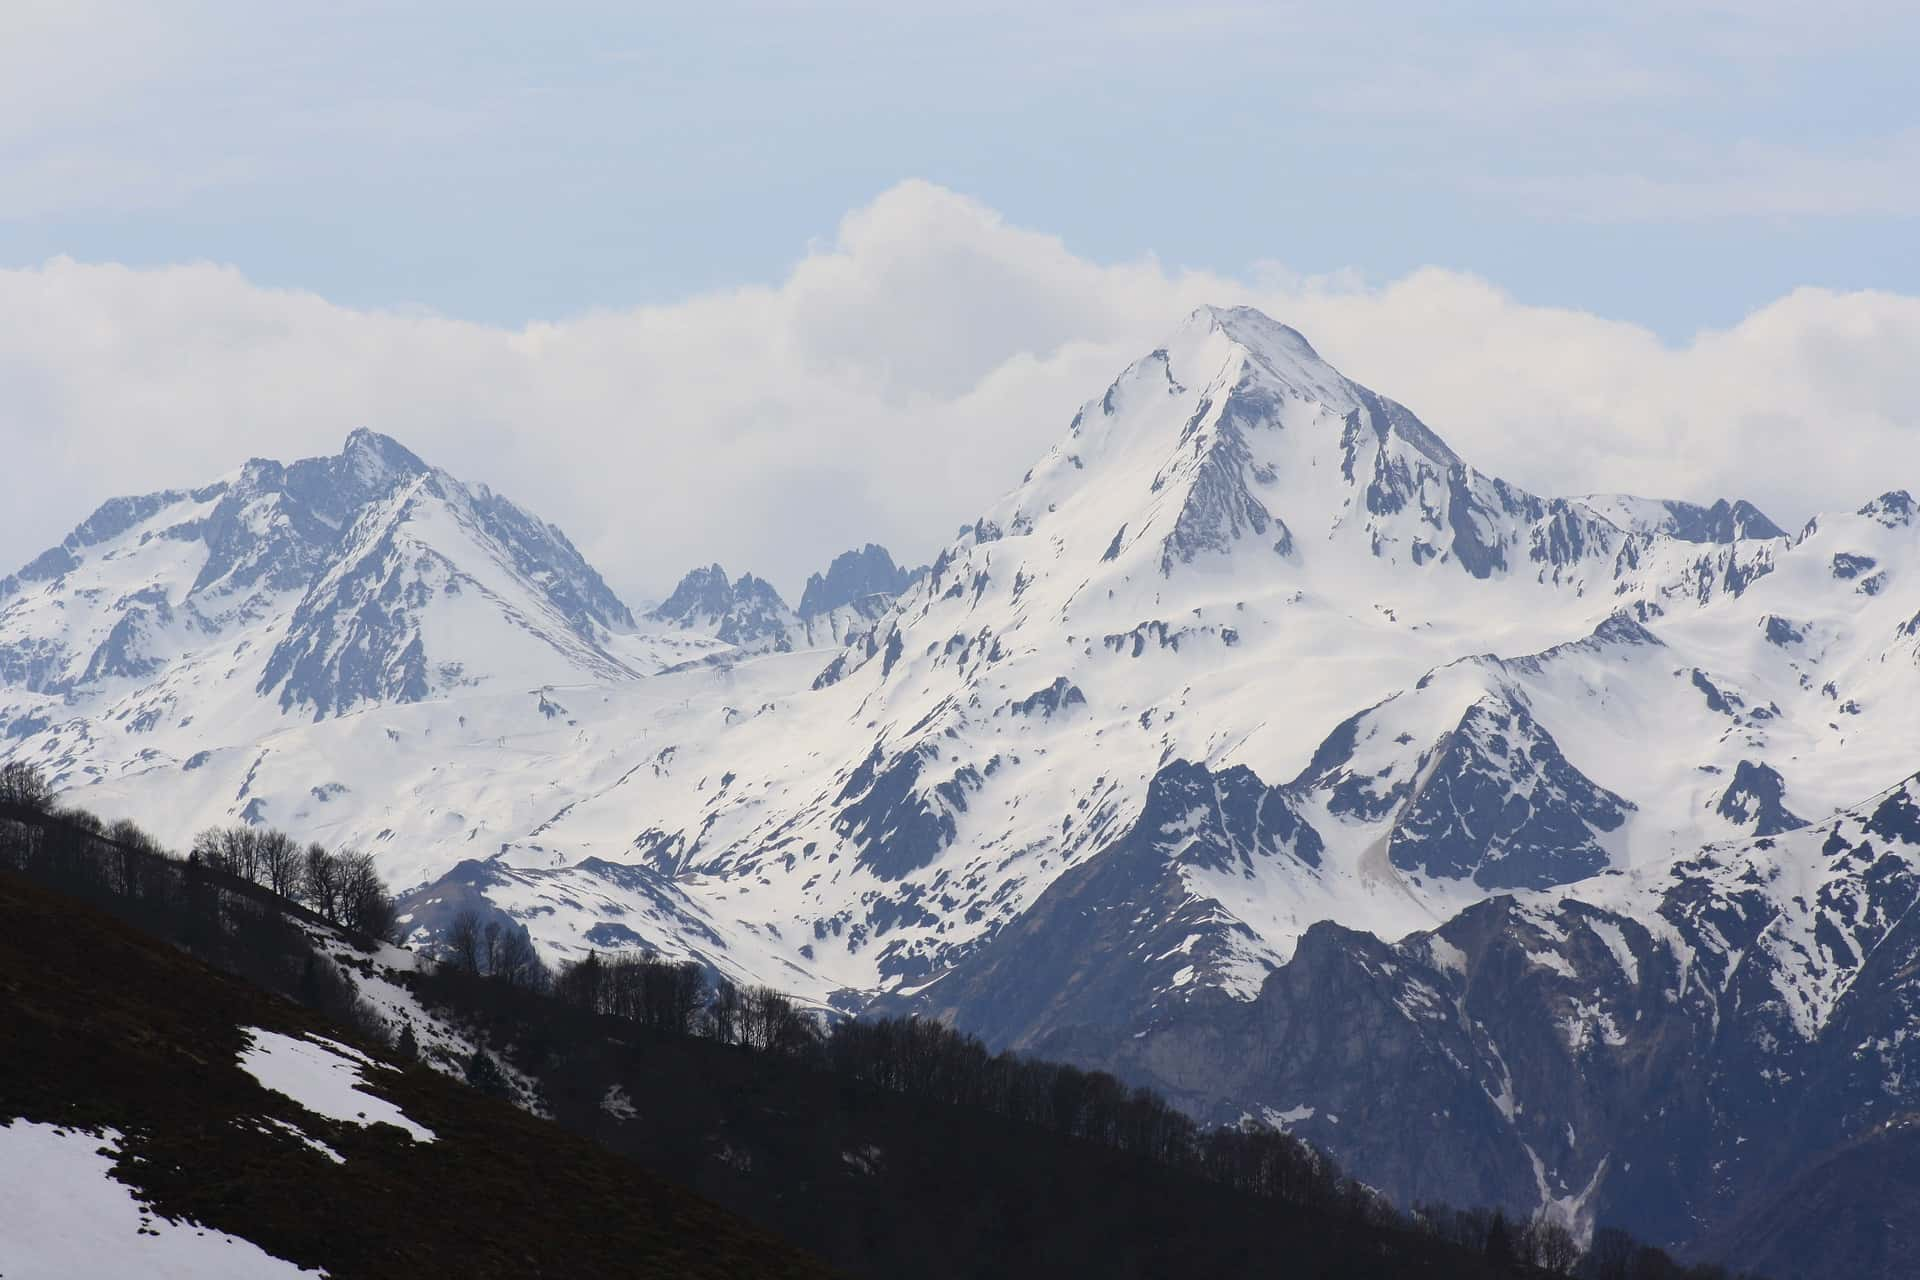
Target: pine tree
[
  {"x": 484, "y": 1074},
  {"x": 1499, "y": 1251},
  {"x": 407, "y": 1047}
]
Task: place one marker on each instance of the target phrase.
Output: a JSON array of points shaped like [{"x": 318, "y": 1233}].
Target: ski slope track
[{"x": 1249, "y": 664}]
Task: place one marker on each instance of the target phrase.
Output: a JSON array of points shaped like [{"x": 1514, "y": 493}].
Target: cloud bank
[{"x": 892, "y": 384}]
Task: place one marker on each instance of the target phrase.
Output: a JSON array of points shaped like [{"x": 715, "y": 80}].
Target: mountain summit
[
  {"x": 186, "y": 626},
  {"x": 385, "y": 580},
  {"x": 853, "y": 578}
]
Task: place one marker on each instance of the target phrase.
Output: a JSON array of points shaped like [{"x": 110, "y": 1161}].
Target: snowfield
[
  {"x": 62, "y": 1216},
  {"x": 323, "y": 1076}
]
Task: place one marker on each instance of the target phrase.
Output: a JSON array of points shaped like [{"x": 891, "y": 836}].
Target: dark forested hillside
[
  {"x": 107, "y": 1029},
  {"x": 885, "y": 1148}
]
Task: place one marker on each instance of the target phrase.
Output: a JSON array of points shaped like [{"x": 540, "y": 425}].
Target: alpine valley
[{"x": 1547, "y": 852}]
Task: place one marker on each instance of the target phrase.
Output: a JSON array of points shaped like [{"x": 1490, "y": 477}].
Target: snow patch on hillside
[
  {"x": 62, "y": 1215},
  {"x": 323, "y": 1076}
]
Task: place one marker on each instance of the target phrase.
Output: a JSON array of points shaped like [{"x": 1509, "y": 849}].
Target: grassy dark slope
[
  {"x": 103, "y": 1027},
  {"x": 885, "y": 1185},
  {"x": 116, "y": 1025}
]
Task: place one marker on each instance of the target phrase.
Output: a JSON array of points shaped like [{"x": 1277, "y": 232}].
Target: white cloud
[{"x": 892, "y": 384}]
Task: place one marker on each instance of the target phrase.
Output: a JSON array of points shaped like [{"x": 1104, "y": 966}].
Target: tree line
[
  {"x": 343, "y": 888},
  {"x": 240, "y": 899}
]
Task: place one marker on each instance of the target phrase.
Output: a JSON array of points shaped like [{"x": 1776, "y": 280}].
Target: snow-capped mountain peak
[
  {"x": 1235, "y": 557},
  {"x": 314, "y": 588},
  {"x": 385, "y": 620},
  {"x": 376, "y": 461}
]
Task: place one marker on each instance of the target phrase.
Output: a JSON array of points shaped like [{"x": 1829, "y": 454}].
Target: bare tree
[
  {"x": 84, "y": 819},
  {"x": 1554, "y": 1248},
  {"x": 623, "y": 994},
  {"x": 723, "y": 1013},
  {"x": 132, "y": 845},
  {"x": 771, "y": 1024},
  {"x": 320, "y": 879},
  {"x": 463, "y": 942},
  {"x": 281, "y": 863},
  {"x": 126, "y": 831},
  {"x": 1610, "y": 1255},
  {"x": 364, "y": 903},
  {"x": 206, "y": 847},
  {"x": 240, "y": 852},
  {"x": 520, "y": 962},
  {"x": 23, "y": 786}
]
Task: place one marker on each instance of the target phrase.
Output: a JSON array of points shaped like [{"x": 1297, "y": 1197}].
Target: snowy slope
[
  {"x": 182, "y": 632},
  {"x": 63, "y": 1214},
  {"x": 1236, "y": 561},
  {"x": 1233, "y": 551}
]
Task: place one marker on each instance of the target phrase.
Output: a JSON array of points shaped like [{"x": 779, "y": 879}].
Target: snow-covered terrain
[
  {"x": 323, "y": 1077},
  {"x": 1236, "y": 560},
  {"x": 63, "y": 1215}
]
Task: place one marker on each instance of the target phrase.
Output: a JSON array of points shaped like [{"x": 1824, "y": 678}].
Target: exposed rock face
[
  {"x": 749, "y": 614},
  {"x": 1061, "y": 695},
  {"x": 358, "y": 635},
  {"x": 630, "y": 907},
  {"x": 746, "y": 613},
  {"x": 1472, "y": 819},
  {"x": 1848, "y": 567},
  {"x": 900, "y": 812},
  {"x": 1658, "y": 1067},
  {"x": 1125, "y": 935},
  {"x": 702, "y": 593},
  {"x": 1894, "y": 510},
  {"x": 1756, "y": 800},
  {"x": 1851, "y": 1213},
  {"x": 1723, "y": 522},
  {"x": 1493, "y": 800},
  {"x": 857, "y": 579}
]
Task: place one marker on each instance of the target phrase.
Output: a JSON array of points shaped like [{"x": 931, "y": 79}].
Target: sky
[{"x": 756, "y": 282}]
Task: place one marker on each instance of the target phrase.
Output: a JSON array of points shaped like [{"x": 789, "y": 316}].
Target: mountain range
[{"x": 1546, "y": 851}]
